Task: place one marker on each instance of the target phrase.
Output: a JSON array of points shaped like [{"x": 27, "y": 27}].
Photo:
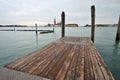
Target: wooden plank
[
  {"x": 33, "y": 59},
  {"x": 19, "y": 61},
  {"x": 90, "y": 68},
  {"x": 87, "y": 64},
  {"x": 40, "y": 60},
  {"x": 79, "y": 74},
  {"x": 70, "y": 75},
  {"x": 44, "y": 64},
  {"x": 97, "y": 71},
  {"x": 61, "y": 74},
  {"x": 107, "y": 74},
  {"x": 49, "y": 66},
  {"x": 53, "y": 73},
  {"x": 69, "y": 58},
  {"x": 61, "y": 53},
  {"x": 31, "y": 66}
]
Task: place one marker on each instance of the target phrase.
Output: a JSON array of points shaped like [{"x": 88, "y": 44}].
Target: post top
[
  {"x": 35, "y": 24},
  {"x": 63, "y": 13},
  {"x": 93, "y": 7},
  {"x": 92, "y": 10}
]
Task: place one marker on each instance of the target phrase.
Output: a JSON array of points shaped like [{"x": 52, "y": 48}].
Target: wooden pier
[{"x": 69, "y": 58}]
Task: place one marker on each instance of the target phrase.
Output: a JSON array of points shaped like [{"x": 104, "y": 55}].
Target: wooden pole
[
  {"x": 36, "y": 29},
  {"x": 92, "y": 22},
  {"x": 14, "y": 28},
  {"x": 118, "y": 31},
  {"x": 63, "y": 24},
  {"x": 53, "y": 28}
]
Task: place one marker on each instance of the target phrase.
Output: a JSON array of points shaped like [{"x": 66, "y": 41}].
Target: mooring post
[
  {"x": 92, "y": 22},
  {"x": 53, "y": 28},
  {"x": 63, "y": 23},
  {"x": 36, "y": 28},
  {"x": 14, "y": 28},
  {"x": 118, "y": 31}
]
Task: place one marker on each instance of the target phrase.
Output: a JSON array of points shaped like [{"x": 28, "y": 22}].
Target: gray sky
[{"x": 29, "y": 12}]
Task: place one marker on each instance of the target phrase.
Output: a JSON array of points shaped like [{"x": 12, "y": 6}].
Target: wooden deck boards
[{"x": 69, "y": 58}]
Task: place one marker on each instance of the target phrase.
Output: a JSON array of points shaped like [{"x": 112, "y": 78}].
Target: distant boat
[{"x": 47, "y": 31}]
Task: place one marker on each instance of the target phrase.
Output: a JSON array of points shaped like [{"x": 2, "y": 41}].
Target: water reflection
[
  {"x": 116, "y": 48},
  {"x": 115, "y": 61},
  {"x": 37, "y": 43}
]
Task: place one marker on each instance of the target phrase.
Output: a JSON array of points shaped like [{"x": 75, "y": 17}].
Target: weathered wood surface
[
  {"x": 8, "y": 74},
  {"x": 63, "y": 23},
  {"x": 92, "y": 22},
  {"x": 69, "y": 58}
]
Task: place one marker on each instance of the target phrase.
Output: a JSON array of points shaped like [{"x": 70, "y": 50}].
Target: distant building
[
  {"x": 56, "y": 23},
  {"x": 71, "y": 25},
  {"x": 67, "y": 25}
]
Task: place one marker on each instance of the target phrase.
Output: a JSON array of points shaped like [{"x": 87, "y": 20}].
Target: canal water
[{"x": 15, "y": 44}]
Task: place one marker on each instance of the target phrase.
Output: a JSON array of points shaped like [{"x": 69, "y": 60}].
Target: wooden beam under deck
[{"x": 69, "y": 58}]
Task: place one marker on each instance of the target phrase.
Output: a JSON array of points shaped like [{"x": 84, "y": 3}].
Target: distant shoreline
[
  {"x": 13, "y": 26},
  {"x": 102, "y": 25},
  {"x": 87, "y": 25}
]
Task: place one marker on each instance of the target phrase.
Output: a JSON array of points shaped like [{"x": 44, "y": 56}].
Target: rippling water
[{"x": 16, "y": 44}]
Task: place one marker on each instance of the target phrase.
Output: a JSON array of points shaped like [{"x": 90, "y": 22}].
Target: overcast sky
[{"x": 29, "y": 12}]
